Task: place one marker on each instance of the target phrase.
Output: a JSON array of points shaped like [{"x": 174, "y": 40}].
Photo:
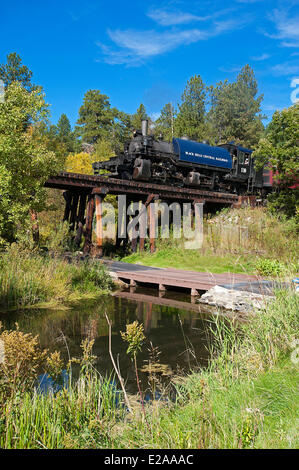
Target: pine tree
[
  {"x": 95, "y": 117},
  {"x": 15, "y": 71},
  {"x": 191, "y": 115},
  {"x": 164, "y": 125},
  {"x": 64, "y": 133},
  {"x": 121, "y": 130},
  {"x": 138, "y": 117},
  {"x": 235, "y": 110}
]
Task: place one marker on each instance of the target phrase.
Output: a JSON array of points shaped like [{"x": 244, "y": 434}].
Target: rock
[{"x": 229, "y": 299}]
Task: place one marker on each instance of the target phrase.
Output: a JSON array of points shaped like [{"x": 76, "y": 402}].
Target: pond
[{"x": 174, "y": 327}]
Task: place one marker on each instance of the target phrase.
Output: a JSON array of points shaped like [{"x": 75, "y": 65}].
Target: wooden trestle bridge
[{"x": 84, "y": 195}]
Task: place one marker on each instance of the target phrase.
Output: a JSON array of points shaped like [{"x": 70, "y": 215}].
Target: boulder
[{"x": 236, "y": 300}]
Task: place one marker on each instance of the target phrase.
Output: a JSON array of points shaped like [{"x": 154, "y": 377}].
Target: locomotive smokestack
[{"x": 144, "y": 127}]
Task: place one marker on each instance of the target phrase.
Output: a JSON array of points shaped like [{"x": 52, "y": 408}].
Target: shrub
[
  {"x": 90, "y": 275},
  {"x": 22, "y": 360},
  {"x": 270, "y": 267}
]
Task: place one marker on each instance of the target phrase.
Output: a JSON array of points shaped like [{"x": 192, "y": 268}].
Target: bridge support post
[
  {"x": 144, "y": 220},
  {"x": 134, "y": 239},
  {"x": 68, "y": 199},
  {"x": 151, "y": 218},
  {"x": 81, "y": 210},
  {"x": 197, "y": 214},
  {"x": 89, "y": 220},
  {"x": 99, "y": 224},
  {"x": 124, "y": 227},
  {"x": 80, "y": 219},
  {"x": 73, "y": 210},
  {"x": 141, "y": 244},
  {"x": 194, "y": 292}
]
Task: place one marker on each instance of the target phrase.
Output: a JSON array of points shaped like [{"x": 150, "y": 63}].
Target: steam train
[{"x": 182, "y": 162}]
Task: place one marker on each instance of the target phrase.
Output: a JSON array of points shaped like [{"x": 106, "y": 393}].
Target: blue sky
[{"x": 146, "y": 51}]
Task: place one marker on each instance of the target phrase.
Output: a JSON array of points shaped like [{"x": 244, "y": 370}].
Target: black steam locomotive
[{"x": 182, "y": 162}]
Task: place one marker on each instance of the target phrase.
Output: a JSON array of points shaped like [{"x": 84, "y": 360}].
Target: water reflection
[
  {"x": 46, "y": 384},
  {"x": 180, "y": 335}
]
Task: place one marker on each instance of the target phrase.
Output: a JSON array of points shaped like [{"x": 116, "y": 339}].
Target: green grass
[
  {"x": 235, "y": 240},
  {"x": 193, "y": 260},
  {"x": 76, "y": 417},
  {"x": 32, "y": 280},
  {"x": 259, "y": 413}
]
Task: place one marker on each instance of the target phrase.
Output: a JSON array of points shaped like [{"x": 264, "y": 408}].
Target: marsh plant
[
  {"x": 134, "y": 337},
  {"x": 34, "y": 279},
  {"x": 23, "y": 359},
  {"x": 76, "y": 414}
]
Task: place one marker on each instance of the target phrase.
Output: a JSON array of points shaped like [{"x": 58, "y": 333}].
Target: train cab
[{"x": 242, "y": 161}]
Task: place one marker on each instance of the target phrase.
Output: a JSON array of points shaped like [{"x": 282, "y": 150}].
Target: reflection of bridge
[{"x": 84, "y": 195}]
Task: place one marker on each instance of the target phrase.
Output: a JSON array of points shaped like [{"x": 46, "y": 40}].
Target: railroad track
[{"x": 105, "y": 185}]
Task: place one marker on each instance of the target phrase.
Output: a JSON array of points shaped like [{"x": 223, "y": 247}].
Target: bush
[
  {"x": 285, "y": 201},
  {"x": 90, "y": 274},
  {"x": 22, "y": 360},
  {"x": 270, "y": 267}
]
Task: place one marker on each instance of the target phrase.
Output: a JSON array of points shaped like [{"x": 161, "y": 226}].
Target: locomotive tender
[{"x": 182, "y": 162}]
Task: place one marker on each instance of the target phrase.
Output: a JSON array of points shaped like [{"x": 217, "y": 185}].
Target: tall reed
[{"x": 31, "y": 279}]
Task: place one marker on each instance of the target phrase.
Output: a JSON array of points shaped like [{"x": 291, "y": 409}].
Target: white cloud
[
  {"x": 136, "y": 46},
  {"x": 286, "y": 68},
  {"x": 232, "y": 69},
  {"x": 249, "y": 1},
  {"x": 261, "y": 57},
  {"x": 287, "y": 27},
  {"x": 166, "y": 17}
]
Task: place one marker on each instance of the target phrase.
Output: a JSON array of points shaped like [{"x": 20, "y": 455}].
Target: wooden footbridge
[
  {"x": 163, "y": 278},
  {"x": 84, "y": 195}
]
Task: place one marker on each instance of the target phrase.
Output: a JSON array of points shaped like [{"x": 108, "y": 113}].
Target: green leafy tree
[
  {"x": 103, "y": 150},
  {"x": 235, "y": 113},
  {"x": 47, "y": 135},
  {"x": 280, "y": 149},
  {"x": 96, "y": 117},
  {"x": 15, "y": 71},
  {"x": 25, "y": 160},
  {"x": 190, "y": 119},
  {"x": 164, "y": 125}
]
